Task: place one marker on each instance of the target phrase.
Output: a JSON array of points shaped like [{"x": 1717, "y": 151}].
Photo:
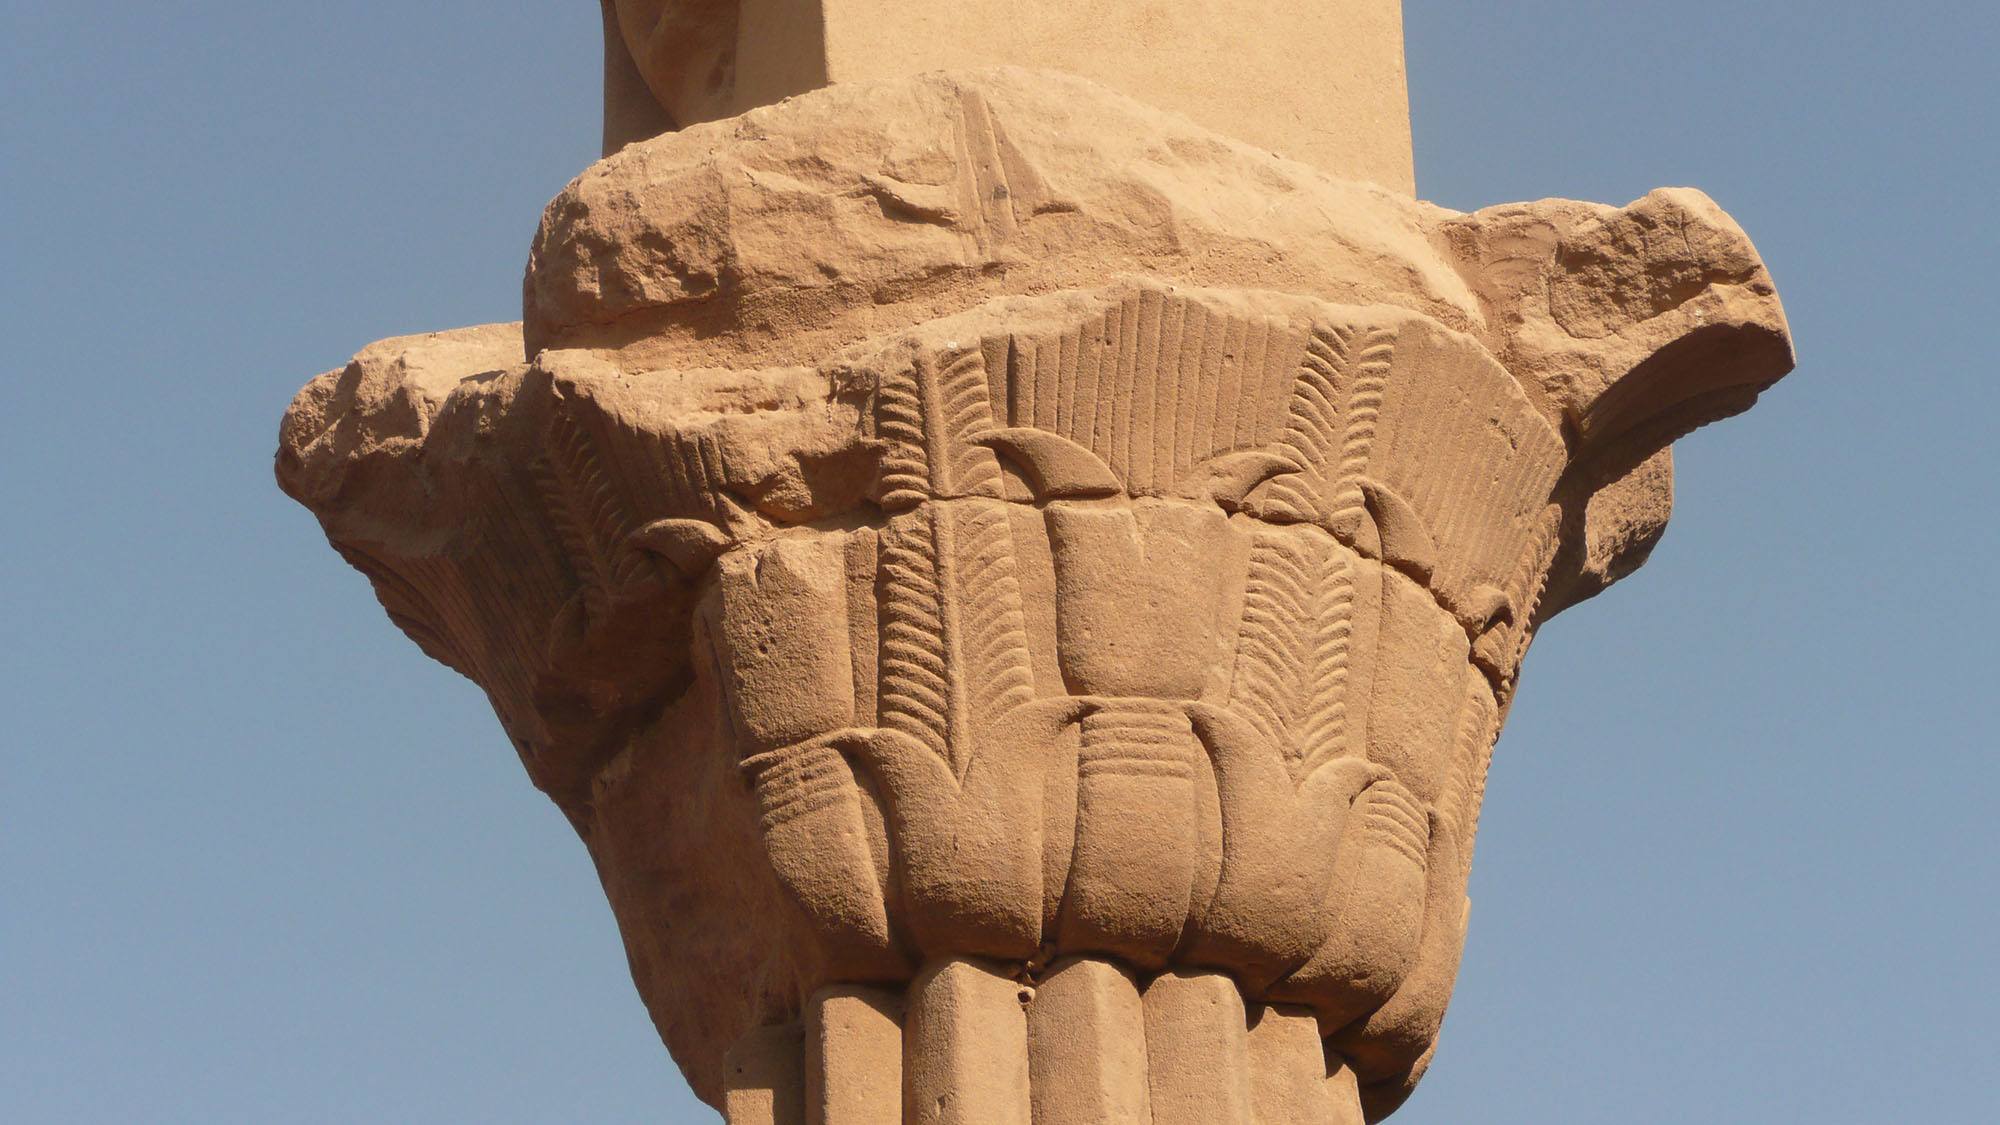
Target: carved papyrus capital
[{"x": 973, "y": 544}]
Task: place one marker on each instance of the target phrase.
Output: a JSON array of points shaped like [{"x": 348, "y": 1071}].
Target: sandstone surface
[
  {"x": 1315, "y": 80},
  {"x": 1017, "y": 591}
]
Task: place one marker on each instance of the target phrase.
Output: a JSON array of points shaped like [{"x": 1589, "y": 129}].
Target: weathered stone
[
  {"x": 1288, "y": 1079},
  {"x": 1315, "y": 80},
  {"x": 1087, "y": 1046},
  {"x": 854, "y": 1056},
  {"x": 1198, "y": 1051},
  {"x": 932, "y": 530},
  {"x": 965, "y": 1051},
  {"x": 764, "y": 1082}
]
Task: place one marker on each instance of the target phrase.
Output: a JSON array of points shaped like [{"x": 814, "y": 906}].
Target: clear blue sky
[{"x": 261, "y": 861}]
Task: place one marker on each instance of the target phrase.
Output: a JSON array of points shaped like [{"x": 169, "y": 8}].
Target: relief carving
[{"x": 1047, "y": 603}]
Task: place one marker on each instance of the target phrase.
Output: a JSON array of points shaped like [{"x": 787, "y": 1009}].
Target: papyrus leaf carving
[
  {"x": 1465, "y": 792},
  {"x": 1398, "y": 1035},
  {"x": 690, "y": 545},
  {"x": 954, "y": 648},
  {"x": 991, "y": 638},
  {"x": 916, "y": 693},
  {"x": 1296, "y": 647},
  {"x": 1367, "y": 355},
  {"x": 1322, "y": 733},
  {"x": 1132, "y": 867},
  {"x": 1313, "y": 436},
  {"x": 1272, "y": 652},
  {"x": 1266, "y": 916},
  {"x": 1402, "y": 535},
  {"x": 1375, "y": 912},
  {"x": 1057, "y": 468},
  {"x": 1499, "y": 650},
  {"x": 409, "y": 608},
  {"x": 810, "y": 815},
  {"x": 583, "y": 505},
  {"x": 1155, "y": 387},
  {"x": 929, "y": 414}
]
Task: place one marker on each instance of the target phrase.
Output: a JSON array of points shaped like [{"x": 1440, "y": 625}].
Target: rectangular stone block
[
  {"x": 1198, "y": 1051},
  {"x": 1320, "y": 81},
  {"x": 1087, "y": 1047},
  {"x": 854, "y": 1057},
  {"x": 1288, "y": 1068},
  {"x": 763, "y": 1083},
  {"x": 965, "y": 1048}
]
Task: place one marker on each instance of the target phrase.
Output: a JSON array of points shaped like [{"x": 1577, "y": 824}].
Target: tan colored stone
[
  {"x": 1086, "y": 1058},
  {"x": 854, "y": 1056},
  {"x": 1344, "y": 1093},
  {"x": 905, "y": 584},
  {"x": 1288, "y": 1081},
  {"x": 763, "y": 1080},
  {"x": 1319, "y": 81},
  {"x": 965, "y": 1053},
  {"x": 1198, "y": 1050},
  {"x": 1087, "y": 1047}
]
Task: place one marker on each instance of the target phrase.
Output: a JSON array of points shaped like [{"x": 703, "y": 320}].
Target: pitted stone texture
[
  {"x": 1087, "y": 1046},
  {"x": 781, "y": 236},
  {"x": 882, "y": 569}
]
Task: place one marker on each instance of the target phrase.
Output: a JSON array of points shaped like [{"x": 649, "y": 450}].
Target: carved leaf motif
[
  {"x": 810, "y": 816},
  {"x": 584, "y": 507},
  {"x": 1231, "y": 478},
  {"x": 409, "y": 608},
  {"x": 915, "y": 697},
  {"x": 1401, "y": 532},
  {"x": 1312, "y": 429},
  {"x": 1275, "y": 619},
  {"x": 1293, "y": 661},
  {"x": 992, "y": 639},
  {"x": 1479, "y": 727},
  {"x": 1376, "y": 909},
  {"x": 930, "y": 419},
  {"x": 1367, "y": 358},
  {"x": 1500, "y": 649},
  {"x": 1133, "y": 862},
  {"x": 1155, "y": 387},
  {"x": 1265, "y": 918},
  {"x": 1395, "y": 1038},
  {"x": 690, "y": 545},
  {"x": 1059, "y": 468},
  {"x": 1322, "y": 734},
  {"x": 899, "y": 417},
  {"x": 954, "y": 647}
]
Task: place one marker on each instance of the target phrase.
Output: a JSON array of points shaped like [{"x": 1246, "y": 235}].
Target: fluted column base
[{"x": 1087, "y": 1043}]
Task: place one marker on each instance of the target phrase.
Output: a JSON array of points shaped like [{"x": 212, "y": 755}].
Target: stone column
[
  {"x": 1016, "y": 590},
  {"x": 1316, "y": 80}
]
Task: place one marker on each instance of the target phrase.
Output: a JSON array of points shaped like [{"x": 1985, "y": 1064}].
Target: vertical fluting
[
  {"x": 1087, "y": 1047},
  {"x": 1197, "y": 1051},
  {"x": 965, "y": 1047},
  {"x": 969, "y": 1043},
  {"x": 763, "y": 1077},
  {"x": 854, "y": 1056},
  {"x": 1287, "y": 1067}
]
